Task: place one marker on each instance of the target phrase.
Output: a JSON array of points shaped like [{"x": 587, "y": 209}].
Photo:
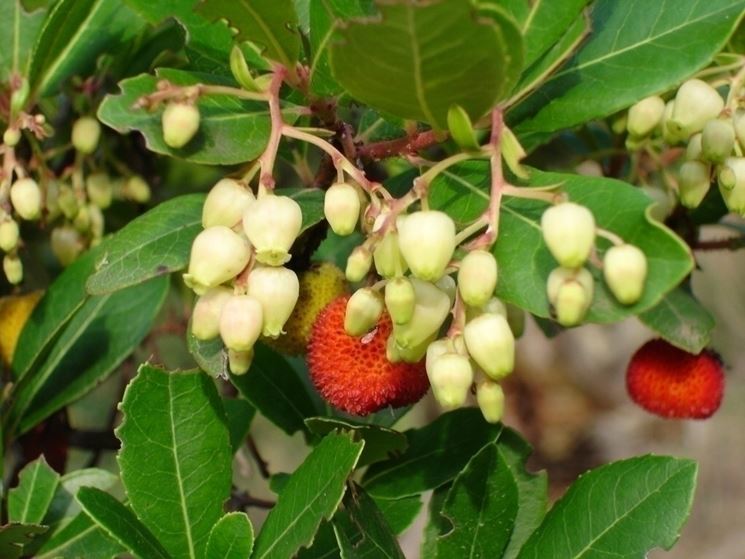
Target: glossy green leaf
[
  {"x": 399, "y": 513},
  {"x": 523, "y": 257},
  {"x": 64, "y": 504},
  {"x": 312, "y": 494},
  {"x": 210, "y": 355},
  {"x": 623, "y": 510},
  {"x": 324, "y": 544},
  {"x": 362, "y": 530},
  {"x": 153, "y": 244},
  {"x": 232, "y": 536},
  {"x": 120, "y": 523},
  {"x": 175, "y": 459},
  {"x": 480, "y": 508},
  {"x": 29, "y": 501},
  {"x": 417, "y": 50},
  {"x": 74, "y": 34},
  {"x": 79, "y": 538},
  {"x": 18, "y": 31},
  {"x": 636, "y": 49},
  {"x": 98, "y": 338},
  {"x": 380, "y": 442},
  {"x": 230, "y": 131},
  {"x": 681, "y": 320},
  {"x": 270, "y": 24},
  {"x": 14, "y": 537},
  {"x": 276, "y": 390},
  {"x": 436, "y": 453},
  {"x": 239, "y": 414}
]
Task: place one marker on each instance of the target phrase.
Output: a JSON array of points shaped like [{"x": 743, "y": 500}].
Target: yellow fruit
[
  {"x": 14, "y": 312},
  {"x": 318, "y": 287}
]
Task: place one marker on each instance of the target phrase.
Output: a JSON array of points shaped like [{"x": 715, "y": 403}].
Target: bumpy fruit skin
[
  {"x": 353, "y": 374},
  {"x": 14, "y": 312},
  {"x": 318, "y": 287},
  {"x": 672, "y": 383}
]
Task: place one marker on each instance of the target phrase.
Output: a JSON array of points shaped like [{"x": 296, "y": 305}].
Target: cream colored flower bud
[
  {"x": 180, "y": 124},
  {"x": 738, "y": 121},
  {"x": 364, "y": 309},
  {"x": 732, "y": 184},
  {"x": 67, "y": 244},
  {"x": 11, "y": 137},
  {"x": 98, "y": 187},
  {"x": 447, "y": 285},
  {"x": 388, "y": 259},
  {"x": 241, "y": 322},
  {"x": 82, "y": 221},
  {"x": 9, "y": 234},
  {"x": 490, "y": 398},
  {"x": 570, "y": 292},
  {"x": 68, "y": 202},
  {"x": 414, "y": 354},
  {"x": 437, "y": 349},
  {"x": 205, "y": 318},
  {"x": 625, "y": 271},
  {"x": 218, "y": 254},
  {"x": 400, "y": 299},
  {"x": 341, "y": 206},
  {"x": 493, "y": 305},
  {"x": 693, "y": 149},
  {"x": 491, "y": 344},
  {"x": 645, "y": 116},
  {"x": 97, "y": 223},
  {"x": 451, "y": 376},
  {"x": 427, "y": 242},
  {"x": 277, "y": 289},
  {"x": 226, "y": 203},
  {"x": 717, "y": 140},
  {"x": 477, "y": 277},
  {"x": 272, "y": 224},
  {"x": 240, "y": 361},
  {"x": 13, "y": 269},
  {"x": 569, "y": 232},
  {"x": 135, "y": 188},
  {"x": 431, "y": 310},
  {"x": 25, "y": 195},
  {"x": 695, "y": 103},
  {"x": 86, "y": 132},
  {"x": 358, "y": 264},
  {"x": 671, "y": 133},
  {"x": 694, "y": 182}
]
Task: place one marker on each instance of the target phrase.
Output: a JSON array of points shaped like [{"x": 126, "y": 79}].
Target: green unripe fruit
[
  {"x": 277, "y": 289},
  {"x": 13, "y": 269},
  {"x": 241, "y": 321},
  {"x": 400, "y": 300},
  {"x": 363, "y": 311},
  {"x": 98, "y": 187},
  {"x": 86, "y": 132},
  {"x": 135, "y": 188},
  {"x": 645, "y": 116},
  {"x": 67, "y": 244},
  {"x": 491, "y": 344},
  {"x": 451, "y": 376},
  {"x": 490, "y": 398},
  {"x": 341, "y": 206},
  {"x": 25, "y": 195},
  {"x": 358, "y": 264},
  {"x": 180, "y": 124},
  {"x": 11, "y": 137},
  {"x": 477, "y": 277},
  {"x": 694, "y": 182},
  {"x": 9, "y": 234},
  {"x": 241, "y": 72},
  {"x": 427, "y": 242},
  {"x": 569, "y": 232},
  {"x": 717, "y": 140},
  {"x": 696, "y": 102},
  {"x": 625, "y": 271}
]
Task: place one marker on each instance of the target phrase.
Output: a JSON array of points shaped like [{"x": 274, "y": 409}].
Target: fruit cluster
[{"x": 714, "y": 133}]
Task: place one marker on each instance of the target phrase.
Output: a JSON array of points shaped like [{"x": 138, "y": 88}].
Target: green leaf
[
  {"x": 74, "y": 34},
  {"x": 417, "y": 50},
  {"x": 153, "y": 244},
  {"x": 532, "y": 491},
  {"x": 523, "y": 257},
  {"x": 436, "y": 453},
  {"x": 64, "y": 503},
  {"x": 209, "y": 355},
  {"x": 312, "y": 494},
  {"x": 29, "y": 501},
  {"x": 681, "y": 320},
  {"x": 232, "y": 536},
  {"x": 270, "y": 24},
  {"x": 18, "y": 31},
  {"x": 436, "y": 524},
  {"x": 98, "y": 338},
  {"x": 239, "y": 414},
  {"x": 380, "y": 442},
  {"x": 399, "y": 513},
  {"x": 230, "y": 130},
  {"x": 275, "y": 389},
  {"x": 613, "y": 69},
  {"x": 120, "y": 523},
  {"x": 324, "y": 544},
  {"x": 14, "y": 537},
  {"x": 480, "y": 506},
  {"x": 361, "y": 529},
  {"x": 622, "y": 510},
  {"x": 79, "y": 538},
  {"x": 175, "y": 458}
]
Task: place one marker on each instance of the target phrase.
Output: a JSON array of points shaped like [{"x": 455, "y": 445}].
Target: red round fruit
[
  {"x": 353, "y": 374},
  {"x": 673, "y": 383}
]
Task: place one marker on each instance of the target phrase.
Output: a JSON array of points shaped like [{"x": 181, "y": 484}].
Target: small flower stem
[
  {"x": 267, "y": 159},
  {"x": 471, "y": 229},
  {"x": 734, "y": 89},
  {"x": 542, "y": 194},
  {"x": 459, "y": 317},
  {"x": 429, "y": 175},
  {"x": 612, "y": 237}
]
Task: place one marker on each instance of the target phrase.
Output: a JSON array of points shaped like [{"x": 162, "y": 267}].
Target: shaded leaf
[
  {"x": 239, "y": 414},
  {"x": 380, "y": 442},
  {"x": 14, "y": 537},
  {"x": 29, "y": 501},
  {"x": 64, "y": 503},
  {"x": 399, "y": 513},
  {"x": 681, "y": 320},
  {"x": 232, "y": 536},
  {"x": 79, "y": 538},
  {"x": 18, "y": 31}
]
